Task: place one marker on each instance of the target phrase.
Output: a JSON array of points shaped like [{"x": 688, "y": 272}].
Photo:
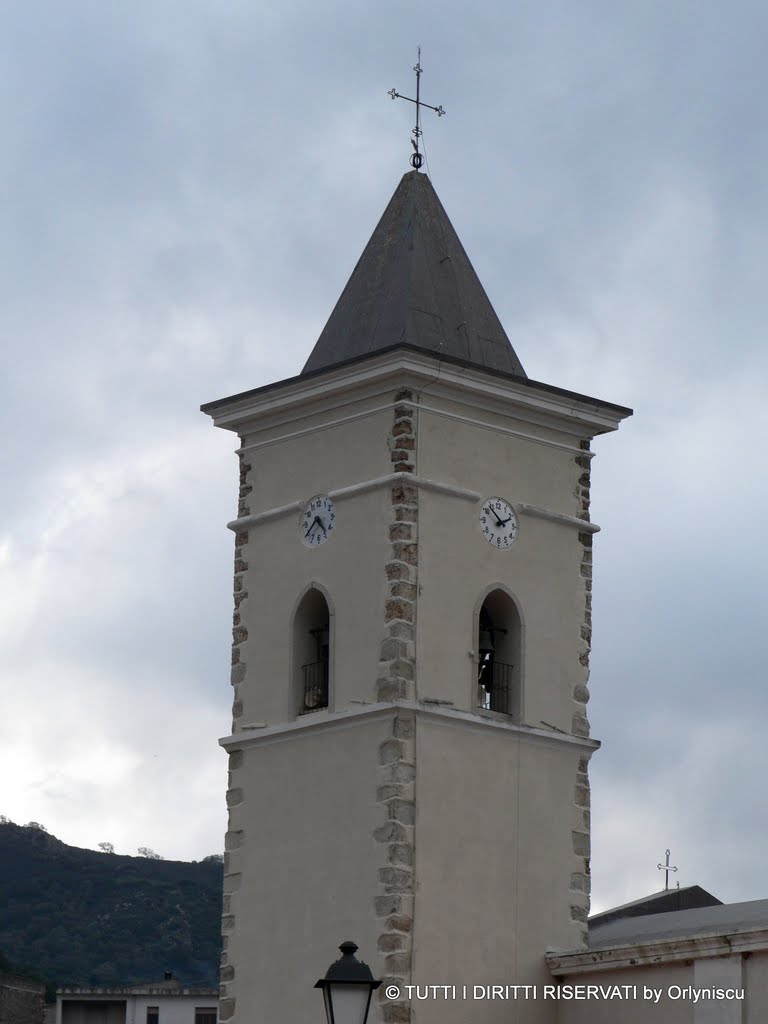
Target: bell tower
[{"x": 412, "y": 625}]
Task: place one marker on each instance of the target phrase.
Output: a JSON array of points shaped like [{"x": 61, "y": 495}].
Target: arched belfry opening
[
  {"x": 312, "y": 652},
  {"x": 499, "y": 662}
]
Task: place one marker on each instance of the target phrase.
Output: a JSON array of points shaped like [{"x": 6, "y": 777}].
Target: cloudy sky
[{"x": 184, "y": 189}]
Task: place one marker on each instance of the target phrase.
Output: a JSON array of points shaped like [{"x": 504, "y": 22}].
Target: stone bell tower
[{"x": 413, "y": 563}]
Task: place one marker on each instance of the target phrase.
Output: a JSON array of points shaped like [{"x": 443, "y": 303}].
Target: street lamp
[{"x": 347, "y": 988}]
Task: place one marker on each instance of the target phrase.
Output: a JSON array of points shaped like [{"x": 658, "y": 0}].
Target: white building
[{"x": 162, "y": 1002}]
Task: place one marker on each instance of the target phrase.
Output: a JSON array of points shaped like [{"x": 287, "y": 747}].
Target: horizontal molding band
[
  {"x": 316, "y": 428},
  {"x": 509, "y": 431},
  {"x": 582, "y": 525},
  {"x": 263, "y": 734},
  {"x": 658, "y": 951},
  {"x": 340, "y": 493}
]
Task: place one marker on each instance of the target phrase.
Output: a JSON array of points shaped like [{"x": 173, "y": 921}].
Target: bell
[{"x": 485, "y": 642}]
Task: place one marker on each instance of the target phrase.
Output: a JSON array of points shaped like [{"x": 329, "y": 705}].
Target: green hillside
[{"x": 77, "y": 917}]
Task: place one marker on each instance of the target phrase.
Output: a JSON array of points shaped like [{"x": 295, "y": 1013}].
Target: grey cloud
[{"x": 185, "y": 193}]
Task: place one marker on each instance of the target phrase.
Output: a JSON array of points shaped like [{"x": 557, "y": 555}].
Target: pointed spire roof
[{"x": 414, "y": 285}]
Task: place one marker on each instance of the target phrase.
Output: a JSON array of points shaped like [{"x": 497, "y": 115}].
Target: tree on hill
[{"x": 74, "y": 916}]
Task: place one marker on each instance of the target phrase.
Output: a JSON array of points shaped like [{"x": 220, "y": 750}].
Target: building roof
[
  {"x": 168, "y": 986},
  {"x": 150, "y": 989},
  {"x": 687, "y": 898},
  {"x": 682, "y": 924},
  {"x": 414, "y": 285}
]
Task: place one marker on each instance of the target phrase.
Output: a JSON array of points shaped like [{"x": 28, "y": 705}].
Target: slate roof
[
  {"x": 680, "y": 924},
  {"x": 414, "y": 285},
  {"x": 688, "y": 898}
]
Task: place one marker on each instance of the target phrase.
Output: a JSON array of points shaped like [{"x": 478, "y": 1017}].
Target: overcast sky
[{"x": 184, "y": 190}]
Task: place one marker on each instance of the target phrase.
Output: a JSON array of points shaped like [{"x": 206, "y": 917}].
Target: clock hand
[
  {"x": 312, "y": 526},
  {"x": 490, "y": 511}
]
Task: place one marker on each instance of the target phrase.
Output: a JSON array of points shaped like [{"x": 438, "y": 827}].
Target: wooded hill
[{"x": 77, "y": 917}]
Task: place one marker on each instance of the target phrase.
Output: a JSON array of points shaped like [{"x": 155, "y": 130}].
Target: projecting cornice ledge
[
  {"x": 422, "y": 368},
  {"x": 660, "y": 951},
  {"x": 340, "y": 493},
  {"x": 262, "y": 733}
]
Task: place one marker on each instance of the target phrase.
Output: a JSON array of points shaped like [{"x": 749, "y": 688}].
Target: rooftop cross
[
  {"x": 666, "y": 869},
  {"x": 416, "y": 158}
]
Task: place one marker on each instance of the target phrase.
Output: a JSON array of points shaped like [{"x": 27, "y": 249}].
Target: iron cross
[
  {"x": 416, "y": 158},
  {"x": 666, "y": 869}
]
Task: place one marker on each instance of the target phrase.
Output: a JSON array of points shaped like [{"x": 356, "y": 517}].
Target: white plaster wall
[
  {"x": 631, "y": 1011},
  {"x": 325, "y": 452},
  {"x": 755, "y": 968},
  {"x": 349, "y": 566},
  {"x": 308, "y": 866},
  {"x": 481, "y": 451},
  {"x": 172, "y": 1009},
  {"x": 748, "y": 971},
  {"x": 457, "y": 566},
  {"x": 722, "y": 972},
  {"x": 132, "y": 1009},
  {"x": 493, "y": 863}
]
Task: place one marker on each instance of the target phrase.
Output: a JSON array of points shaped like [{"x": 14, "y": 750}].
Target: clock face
[
  {"x": 498, "y": 522},
  {"x": 317, "y": 521}
]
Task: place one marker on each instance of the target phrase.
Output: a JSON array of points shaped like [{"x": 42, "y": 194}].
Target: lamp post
[{"x": 347, "y": 988}]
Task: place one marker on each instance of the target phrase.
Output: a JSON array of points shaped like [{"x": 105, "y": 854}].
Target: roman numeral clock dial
[
  {"x": 317, "y": 521},
  {"x": 498, "y": 523}
]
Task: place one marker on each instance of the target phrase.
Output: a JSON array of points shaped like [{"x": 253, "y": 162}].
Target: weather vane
[
  {"x": 666, "y": 868},
  {"x": 416, "y": 158}
]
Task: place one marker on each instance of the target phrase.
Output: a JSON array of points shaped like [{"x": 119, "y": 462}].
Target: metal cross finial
[
  {"x": 666, "y": 869},
  {"x": 416, "y": 158}
]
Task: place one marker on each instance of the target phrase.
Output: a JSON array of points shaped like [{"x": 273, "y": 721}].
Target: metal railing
[
  {"x": 315, "y": 686},
  {"x": 496, "y": 686}
]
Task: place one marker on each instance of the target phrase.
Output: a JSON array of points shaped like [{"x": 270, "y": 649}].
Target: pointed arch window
[
  {"x": 499, "y": 655},
  {"x": 312, "y": 652}
]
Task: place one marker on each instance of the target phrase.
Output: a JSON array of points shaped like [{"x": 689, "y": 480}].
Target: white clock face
[
  {"x": 317, "y": 521},
  {"x": 498, "y": 522}
]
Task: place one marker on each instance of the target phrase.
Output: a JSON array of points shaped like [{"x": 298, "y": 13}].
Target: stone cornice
[
  {"x": 410, "y": 368},
  {"x": 263, "y": 734},
  {"x": 657, "y": 951},
  {"x": 294, "y": 507}
]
